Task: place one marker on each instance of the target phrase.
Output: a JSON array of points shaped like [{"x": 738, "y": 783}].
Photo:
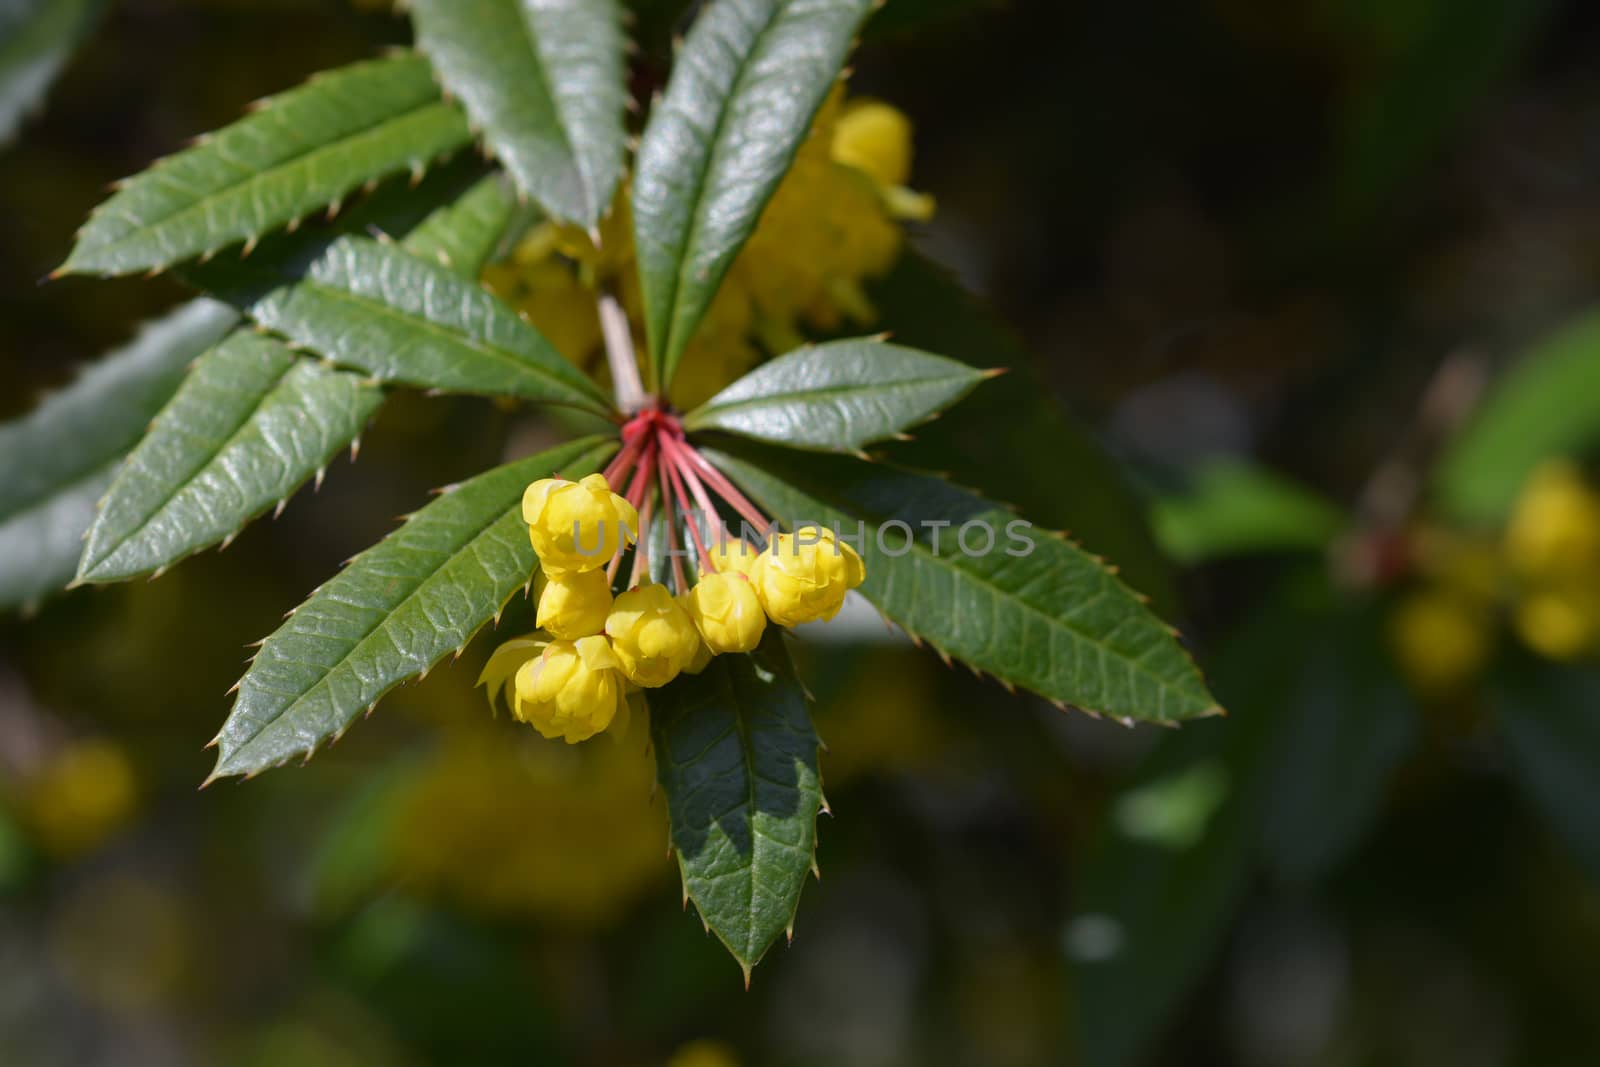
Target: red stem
[
  {"x": 718, "y": 482},
  {"x": 676, "y": 478}
]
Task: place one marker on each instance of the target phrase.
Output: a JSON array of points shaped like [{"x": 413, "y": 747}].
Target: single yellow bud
[
  {"x": 702, "y": 659},
  {"x": 1560, "y": 623},
  {"x": 1555, "y": 528},
  {"x": 727, "y": 612},
  {"x": 731, "y": 555},
  {"x": 574, "y": 604},
  {"x": 876, "y": 138},
  {"x": 652, "y": 635},
  {"x": 577, "y": 526},
  {"x": 803, "y": 577},
  {"x": 573, "y": 690},
  {"x": 1441, "y": 640}
]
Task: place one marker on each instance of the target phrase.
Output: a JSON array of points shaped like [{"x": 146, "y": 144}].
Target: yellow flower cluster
[
  {"x": 1544, "y": 571},
  {"x": 575, "y": 682},
  {"x": 832, "y": 224}
]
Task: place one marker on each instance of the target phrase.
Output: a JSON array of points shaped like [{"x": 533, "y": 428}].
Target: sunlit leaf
[
  {"x": 984, "y": 586},
  {"x": 736, "y": 757},
  {"x": 300, "y": 152},
  {"x": 546, "y": 81},
  {"x": 744, "y": 88},
  {"x": 372, "y": 307},
  {"x": 391, "y": 614},
  {"x": 837, "y": 397}
]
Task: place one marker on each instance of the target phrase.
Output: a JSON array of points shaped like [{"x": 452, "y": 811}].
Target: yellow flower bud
[
  {"x": 803, "y": 577},
  {"x": 727, "y": 612},
  {"x": 577, "y": 526},
  {"x": 1555, "y": 528},
  {"x": 1440, "y": 639},
  {"x": 572, "y": 691},
  {"x": 653, "y": 637},
  {"x": 574, "y": 604},
  {"x": 731, "y": 555},
  {"x": 702, "y": 659},
  {"x": 876, "y": 138}
]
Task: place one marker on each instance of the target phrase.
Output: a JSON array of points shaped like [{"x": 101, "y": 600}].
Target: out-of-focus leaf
[
  {"x": 1024, "y": 605},
  {"x": 250, "y": 424},
  {"x": 1547, "y": 405},
  {"x": 36, "y": 37},
  {"x": 743, "y": 91},
  {"x": 737, "y": 758},
  {"x": 1153, "y": 907},
  {"x": 1550, "y": 719},
  {"x": 545, "y": 80},
  {"x": 254, "y": 421},
  {"x": 837, "y": 397},
  {"x": 56, "y": 461},
  {"x": 373, "y": 307},
  {"x": 1233, "y": 508},
  {"x": 302, "y": 151},
  {"x": 1012, "y": 438},
  {"x": 1348, "y": 722},
  {"x": 391, "y": 614}
]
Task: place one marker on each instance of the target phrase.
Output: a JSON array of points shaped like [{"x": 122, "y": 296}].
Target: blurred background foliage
[{"x": 1319, "y": 275}]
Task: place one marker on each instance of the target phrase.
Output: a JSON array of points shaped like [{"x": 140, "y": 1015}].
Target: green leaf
[
  {"x": 991, "y": 439},
  {"x": 373, "y": 307},
  {"x": 36, "y": 37},
  {"x": 56, "y": 461},
  {"x": 1552, "y": 738},
  {"x": 737, "y": 758},
  {"x": 743, "y": 92},
  {"x": 1546, "y": 406},
  {"x": 1153, "y": 907},
  {"x": 545, "y": 79},
  {"x": 391, "y": 614},
  {"x": 253, "y": 421},
  {"x": 1024, "y": 605},
  {"x": 302, "y": 151},
  {"x": 464, "y": 235},
  {"x": 247, "y": 428},
  {"x": 1231, "y": 507},
  {"x": 837, "y": 397}
]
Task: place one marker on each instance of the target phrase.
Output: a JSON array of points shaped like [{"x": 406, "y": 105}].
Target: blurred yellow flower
[
  {"x": 1554, "y": 531},
  {"x": 83, "y": 795},
  {"x": 1441, "y": 639}
]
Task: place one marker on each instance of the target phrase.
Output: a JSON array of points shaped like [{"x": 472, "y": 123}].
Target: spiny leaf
[
  {"x": 254, "y": 421},
  {"x": 36, "y": 37},
  {"x": 736, "y": 756},
  {"x": 247, "y": 428},
  {"x": 391, "y": 614},
  {"x": 374, "y": 307},
  {"x": 1026, "y": 606},
  {"x": 299, "y": 153},
  {"x": 545, "y": 80},
  {"x": 743, "y": 92},
  {"x": 837, "y": 397},
  {"x": 56, "y": 461}
]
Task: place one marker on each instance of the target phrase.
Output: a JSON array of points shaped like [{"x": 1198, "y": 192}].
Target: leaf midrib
[
  {"x": 670, "y": 350},
  {"x": 189, "y": 478},
  {"x": 141, "y": 227},
  {"x": 289, "y": 283},
  {"x": 824, "y": 392},
  {"x": 367, "y": 634},
  {"x": 525, "y": 17},
  {"x": 922, "y": 553}
]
